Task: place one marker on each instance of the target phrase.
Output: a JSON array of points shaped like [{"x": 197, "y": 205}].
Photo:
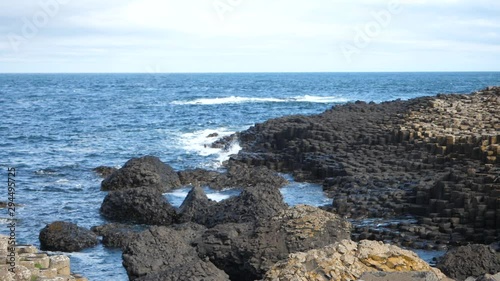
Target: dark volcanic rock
[
  {"x": 147, "y": 171},
  {"x": 434, "y": 157},
  {"x": 247, "y": 250},
  {"x": 471, "y": 260},
  {"x": 238, "y": 175},
  {"x": 165, "y": 253},
  {"x": 138, "y": 205},
  {"x": 115, "y": 234},
  {"x": 196, "y": 207},
  {"x": 104, "y": 171},
  {"x": 253, "y": 204},
  {"x": 66, "y": 237}
]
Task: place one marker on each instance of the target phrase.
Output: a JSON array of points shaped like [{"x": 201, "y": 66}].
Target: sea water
[{"x": 55, "y": 128}]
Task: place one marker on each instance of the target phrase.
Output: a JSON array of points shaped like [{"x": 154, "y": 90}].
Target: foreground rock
[
  {"x": 348, "y": 260},
  {"x": 147, "y": 171},
  {"x": 30, "y": 264},
  {"x": 246, "y": 251},
  {"x": 469, "y": 261},
  {"x": 66, "y": 237},
  {"x": 116, "y": 235},
  {"x": 433, "y": 157},
  {"x": 138, "y": 205},
  {"x": 165, "y": 253}
]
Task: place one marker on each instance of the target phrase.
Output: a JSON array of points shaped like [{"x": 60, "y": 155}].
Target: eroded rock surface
[{"x": 66, "y": 237}]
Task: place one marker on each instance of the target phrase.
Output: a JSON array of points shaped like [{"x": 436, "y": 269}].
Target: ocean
[{"x": 55, "y": 128}]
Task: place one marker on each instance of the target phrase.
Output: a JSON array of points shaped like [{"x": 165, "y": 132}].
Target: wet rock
[
  {"x": 147, "y": 171},
  {"x": 138, "y": 205},
  {"x": 116, "y": 235},
  {"x": 246, "y": 251},
  {"x": 165, "y": 253},
  {"x": 348, "y": 260},
  {"x": 104, "y": 171},
  {"x": 471, "y": 260},
  {"x": 66, "y": 237}
]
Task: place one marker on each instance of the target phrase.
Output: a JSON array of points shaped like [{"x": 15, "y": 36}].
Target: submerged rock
[
  {"x": 348, "y": 260},
  {"x": 138, "y": 205},
  {"x": 147, "y": 171},
  {"x": 104, "y": 171},
  {"x": 469, "y": 261},
  {"x": 66, "y": 237}
]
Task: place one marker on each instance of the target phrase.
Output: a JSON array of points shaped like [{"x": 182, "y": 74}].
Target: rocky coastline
[{"x": 434, "y": 159}]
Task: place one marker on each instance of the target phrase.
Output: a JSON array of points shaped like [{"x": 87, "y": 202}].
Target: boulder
[
  {"x": 471, "y": 260},
  {"x": 116, "y": 235},
  {"x": 104, "y": 171},
  {"x": 196, "y": 207},
  {"x": 246, "y": 251},
  {"x": 165, "y": 253},
  {"x": 348, "y": 260},
  {"x": 138, "y": 205},
  {"x": 147, "y": 171},
  {"x": 66, "y": 237},
  {"x": 253, "y": 204}
]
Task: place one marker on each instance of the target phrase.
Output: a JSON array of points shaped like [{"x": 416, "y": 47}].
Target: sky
[{"x": 164, "y": 36}]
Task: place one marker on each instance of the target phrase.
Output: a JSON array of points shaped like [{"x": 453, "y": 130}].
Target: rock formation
[
  {"x": 147, "y": 171},
  {"x": 66, "y": 237}
]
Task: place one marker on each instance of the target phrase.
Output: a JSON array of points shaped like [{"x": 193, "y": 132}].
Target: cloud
[{"x": 251, "y": 35}]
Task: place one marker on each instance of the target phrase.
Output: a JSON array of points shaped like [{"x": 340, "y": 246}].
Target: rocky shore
[{"x": 436, "y": 158}]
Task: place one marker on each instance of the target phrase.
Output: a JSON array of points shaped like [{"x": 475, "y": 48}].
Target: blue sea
[{"x": 54, "y": 128}]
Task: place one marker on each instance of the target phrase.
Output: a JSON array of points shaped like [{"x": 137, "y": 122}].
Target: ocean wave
[
  {"x": 236, "y": 100},
  {"x": 200, "y": 142}
]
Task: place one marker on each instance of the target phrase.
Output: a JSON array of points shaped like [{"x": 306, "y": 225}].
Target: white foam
[
  {"x": 198, "y": 142},
  {"x": 235, "y": 100},
  {"x": 218, "y": 196}
]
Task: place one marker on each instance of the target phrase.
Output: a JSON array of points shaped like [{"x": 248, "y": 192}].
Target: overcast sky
[{"x": 249, "y": 35}]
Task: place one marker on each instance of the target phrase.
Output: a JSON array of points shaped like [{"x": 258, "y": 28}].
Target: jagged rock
[
  {"x": 347, "y": 260},
  {"x": 66, "y": 237},
  {"x": 489, "y": 277},
  {"x": 115, "y": 234},
  {"x": 471, "y": 260},
  {"x": 147, "y": 171},
  {"x": 165, "y": 253},
  {"x": 138, "y": 205},
  {"x": 246, "y": 251},
  {"x": 253, "y": 204},
  {"x": 104, "y": 171},
  {"x": 400, "y": 276},
  {"x": 196, "y": 207}
]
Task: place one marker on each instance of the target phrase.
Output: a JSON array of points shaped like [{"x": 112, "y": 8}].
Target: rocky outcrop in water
[
  {"x": 470, "y": 261},
  {"x": 433, "y": 157},
  {"x": 31, "y": 264},
  {"x": 147, "y": 171},
  {"x": 104, "y": 171},
  {"x": 348, "y": 260},
  {"x": 66, "y": 237},
  {"x": 253, "y": 204},
  {"x": 138, "y": 205}
]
